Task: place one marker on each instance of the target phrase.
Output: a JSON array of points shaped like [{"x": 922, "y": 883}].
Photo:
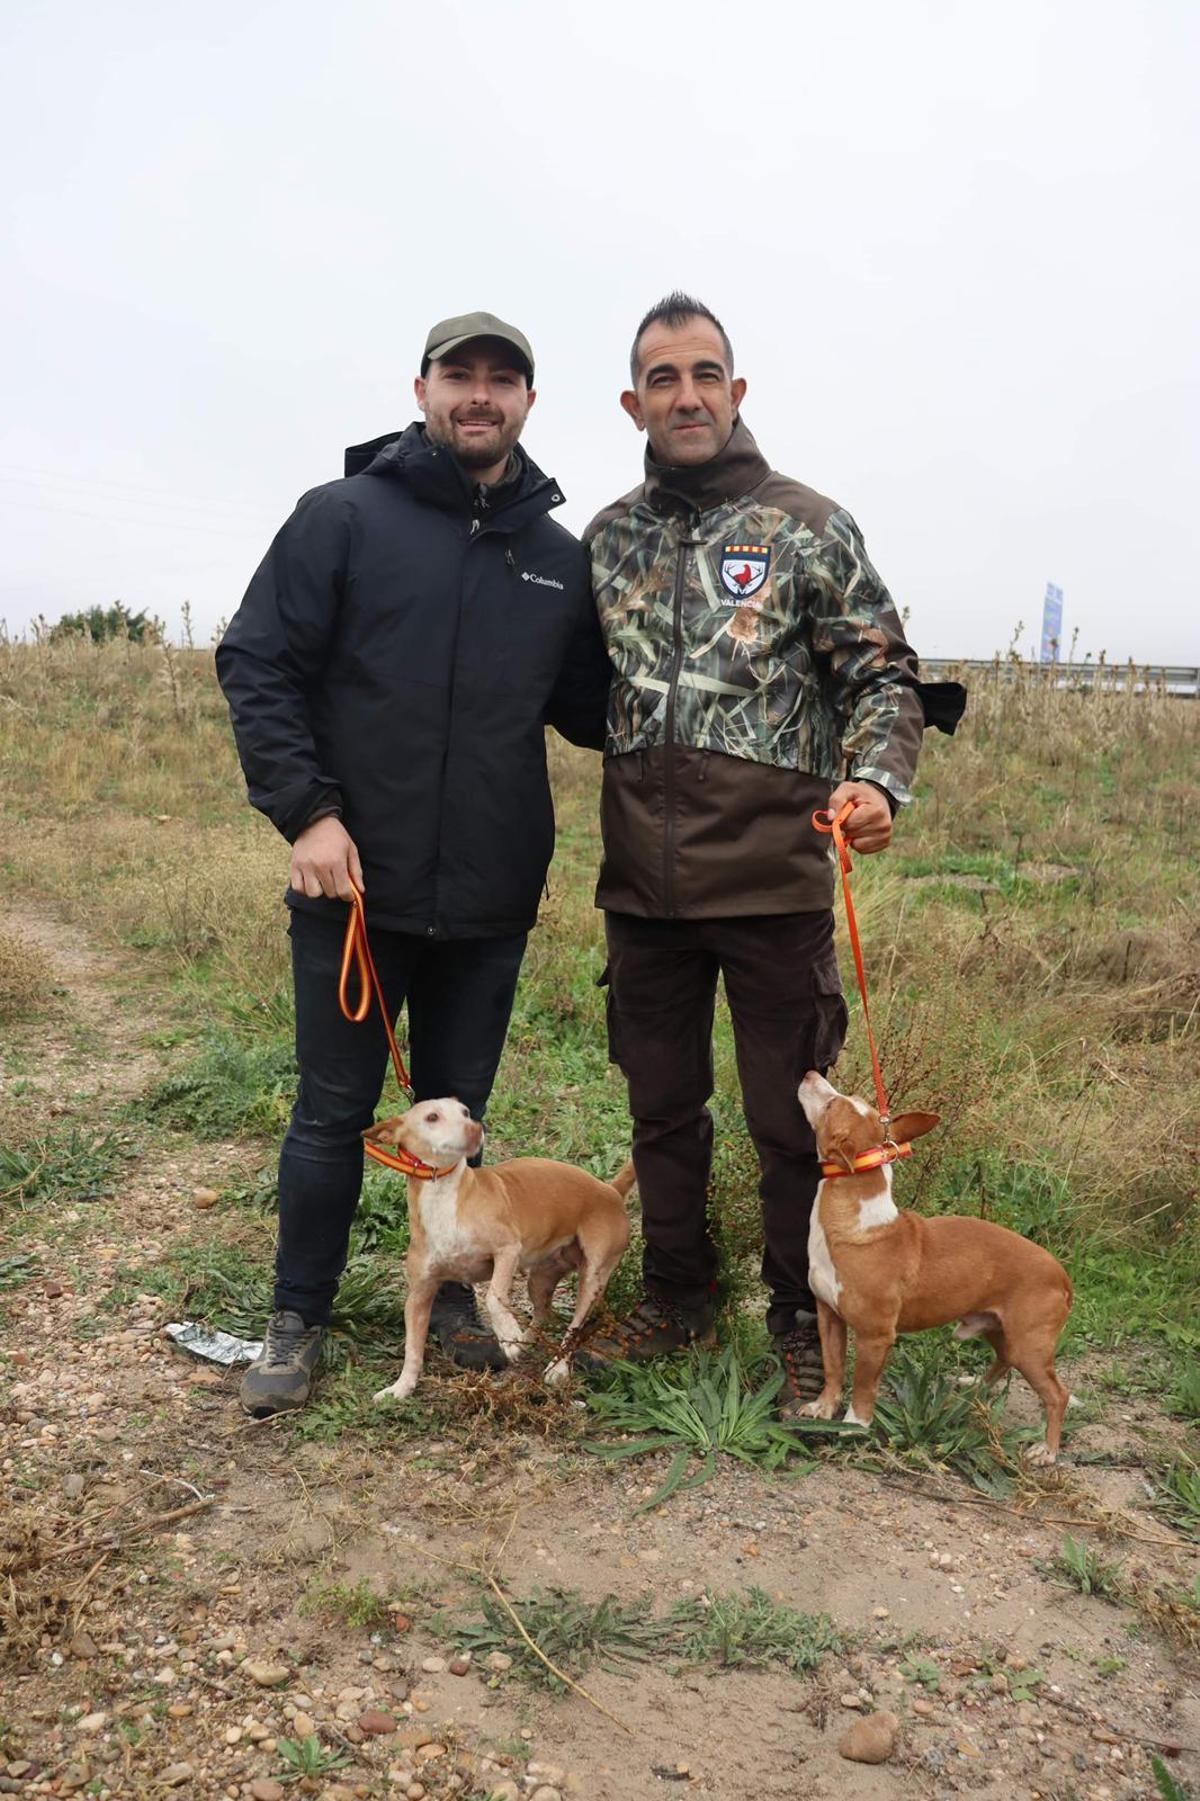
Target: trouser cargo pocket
[{"x": 831, "y": 1015}]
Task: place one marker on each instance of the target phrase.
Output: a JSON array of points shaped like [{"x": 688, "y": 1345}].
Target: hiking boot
[
  {"x": 654, "y": 1327},
  {"x": 281, "y": 1376},
  {"x": 460, "y": 1332},
  {"x": 799, "y": 1354}
]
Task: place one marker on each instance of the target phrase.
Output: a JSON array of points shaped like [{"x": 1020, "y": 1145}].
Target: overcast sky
[{"x": 955, "y": 248}]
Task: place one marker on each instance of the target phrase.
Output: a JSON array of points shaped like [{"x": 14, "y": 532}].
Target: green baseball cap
[{"x": 449, "y": 334}]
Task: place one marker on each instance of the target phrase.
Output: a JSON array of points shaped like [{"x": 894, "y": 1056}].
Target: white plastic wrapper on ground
[{"x": 214, "y": 1347}]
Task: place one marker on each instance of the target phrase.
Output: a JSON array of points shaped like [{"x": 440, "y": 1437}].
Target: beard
[{"x": 477, "y": 452}]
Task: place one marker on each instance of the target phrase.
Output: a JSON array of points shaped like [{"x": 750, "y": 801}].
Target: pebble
[
  {"x": 872, "y": 1740},
  {"x": 433, "y": 1666},
  {"x": 233, "y": 1735},
  {"x": 176, "y": 1774},
  {"x": 205, "y": 1197},
  {"x": 266, "y": 1675},
  {"x": 73, "y": 1485},
  {"x": 499, "y": 1661},
  {"x": 267, "y": 1789},
  {"x": 458, "y": 1666},
  {"x": 426, "y": 1753},
  {"x": 375, "y": 1723},
  {"x": 923, "y": 1709},
  {"x": 545, "y": 1794},
  {"x": 304, "y": 1725},
  {"x": 850, "y": 1701},
  {"x": 92, "y": 1722},
  {"x": 506, "y": 1790}
]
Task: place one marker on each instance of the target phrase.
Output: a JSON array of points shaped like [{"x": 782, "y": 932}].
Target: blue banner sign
[{"x": 1052, "y": 625}]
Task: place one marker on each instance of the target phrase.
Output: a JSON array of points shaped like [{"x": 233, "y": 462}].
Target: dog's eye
[
  {"x": 466, "y": 1113},
  {"x": 431, "y": 1119}
]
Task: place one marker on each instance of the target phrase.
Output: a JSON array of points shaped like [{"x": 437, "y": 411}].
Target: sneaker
[
  {"x": 281, "y": 1376},
  {"x": 654, "y": 1327},
  {"x": 799, "y": 1354},
  {"x": 460, "y": 1332}
]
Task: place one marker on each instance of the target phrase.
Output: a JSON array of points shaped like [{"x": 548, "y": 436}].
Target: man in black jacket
[{"x": 390, "y": 672}]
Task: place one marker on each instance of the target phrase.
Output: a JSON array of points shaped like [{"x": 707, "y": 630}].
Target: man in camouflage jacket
[{"x": 760, "y": 672}]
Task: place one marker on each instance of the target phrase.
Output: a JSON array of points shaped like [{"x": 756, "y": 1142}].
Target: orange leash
[
  {"x": 826, "y": 822},
  {"x": 356, "y": 950}
]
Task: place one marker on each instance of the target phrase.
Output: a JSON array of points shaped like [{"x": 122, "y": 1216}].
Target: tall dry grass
[{"x": 1032, "y": 938}]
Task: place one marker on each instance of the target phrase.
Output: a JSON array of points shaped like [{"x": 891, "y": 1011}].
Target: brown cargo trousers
[{"x": 789, "y": 1015}]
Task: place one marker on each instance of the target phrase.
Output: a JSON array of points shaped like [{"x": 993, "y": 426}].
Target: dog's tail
[{"x": 625, "y": 1179}]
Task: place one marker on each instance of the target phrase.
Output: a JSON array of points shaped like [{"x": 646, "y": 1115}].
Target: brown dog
[
  {"x": 477, "y": 1225},
  {"x": 883, "y": 1272}
]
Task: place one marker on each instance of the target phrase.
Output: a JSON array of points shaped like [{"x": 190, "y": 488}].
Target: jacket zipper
[
  {"x": 431, "y": 930},
  {"x": 685, "y": 543}
]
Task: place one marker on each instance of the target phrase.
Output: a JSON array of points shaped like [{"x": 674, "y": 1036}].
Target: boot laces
[
  {"x": 647, "y": 1318},
  {"x": 800, "y": 1350},
  {"x": 283, "y": 1340}
]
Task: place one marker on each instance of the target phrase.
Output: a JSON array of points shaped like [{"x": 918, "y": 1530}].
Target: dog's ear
[
  {"x": 385, "y": 1131},
  {"x": 837, "y": 1149},
  {"x": 908, "y": 1126}
]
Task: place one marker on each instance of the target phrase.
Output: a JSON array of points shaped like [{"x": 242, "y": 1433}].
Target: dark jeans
[
  {"x": 785, "y": 999},
  {"x": 459, "y": 993}
]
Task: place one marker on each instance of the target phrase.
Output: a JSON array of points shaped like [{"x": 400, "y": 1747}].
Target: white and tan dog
[
  {"x": 476, "y": 1225},
  {"x": 882, "y": 1272}
]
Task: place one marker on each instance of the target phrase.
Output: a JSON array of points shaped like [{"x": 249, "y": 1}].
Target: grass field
[{"x": 1033, "y": 944}]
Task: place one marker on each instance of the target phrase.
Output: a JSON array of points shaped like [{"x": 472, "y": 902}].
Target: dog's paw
[
  {"x": 397, "y": 1391},
  {"x": 1040, "y": 1456},
  {"x": 850, "y": 1418},
  {"x": 817, "y": 1410},
  {"x": 557, "y": 1373}
]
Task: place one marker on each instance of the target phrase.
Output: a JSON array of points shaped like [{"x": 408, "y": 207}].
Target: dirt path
[{"x": 149, "y": 1654}]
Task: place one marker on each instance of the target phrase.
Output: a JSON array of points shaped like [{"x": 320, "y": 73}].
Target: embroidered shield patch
[{"x": 744, "y": 569}]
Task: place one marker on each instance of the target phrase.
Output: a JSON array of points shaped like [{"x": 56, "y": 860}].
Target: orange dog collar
[
  {"x": 866, "y": 1160},
  {"x": 406, "y": 1163}
]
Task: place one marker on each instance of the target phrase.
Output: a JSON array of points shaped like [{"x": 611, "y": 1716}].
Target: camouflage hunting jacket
[{"x": 758, "y": 660}]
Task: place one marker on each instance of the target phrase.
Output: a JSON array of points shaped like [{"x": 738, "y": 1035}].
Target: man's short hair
[{"x": 674, "y": 311}]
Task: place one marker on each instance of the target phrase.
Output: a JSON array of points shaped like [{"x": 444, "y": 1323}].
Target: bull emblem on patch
[{"x": 744, "y": 569}]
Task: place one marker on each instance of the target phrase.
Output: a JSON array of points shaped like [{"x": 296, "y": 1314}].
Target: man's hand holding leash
[
  {"x": 325, "y": 861},
  {"x": 869, "y": 827}
]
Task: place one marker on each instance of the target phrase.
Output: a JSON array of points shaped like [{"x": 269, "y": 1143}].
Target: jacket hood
[
  {"x": 737, "y": 469},
  {"x": 436, "y": 475}
]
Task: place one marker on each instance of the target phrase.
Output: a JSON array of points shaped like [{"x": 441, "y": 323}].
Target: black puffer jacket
[{"x": 396, "y": 657}]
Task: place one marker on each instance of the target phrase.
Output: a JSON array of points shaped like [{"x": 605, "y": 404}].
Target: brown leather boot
[{"x": 654, "y": 1327}]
